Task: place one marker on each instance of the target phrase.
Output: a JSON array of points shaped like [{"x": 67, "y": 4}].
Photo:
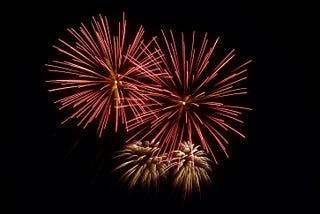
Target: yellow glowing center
[
  {"x": 184, "y": 103},
  {"x": 115, "y": 82}
]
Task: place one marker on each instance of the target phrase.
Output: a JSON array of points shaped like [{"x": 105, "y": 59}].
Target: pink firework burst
[
  {"x": 197, "y": 103},
  {"x": 103, "y": 75}
]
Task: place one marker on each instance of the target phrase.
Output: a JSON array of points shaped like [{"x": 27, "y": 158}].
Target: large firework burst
[
  {"x": 103, "y": 75},
  {"x": 197, "y": 101},
  {"x": 140, "y": 166}
]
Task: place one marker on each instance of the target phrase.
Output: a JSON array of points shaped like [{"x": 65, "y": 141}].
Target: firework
[
  {"x": 197, "y": 103},
  {"x": 102, "y": 75},
  {"x": 139, "y": 166},
  {"x": 190, "y": 169}
]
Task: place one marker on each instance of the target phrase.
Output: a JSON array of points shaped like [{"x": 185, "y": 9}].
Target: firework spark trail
[
  {"x": 104, "y": 76},
  {"x": 194, "y": 103}
]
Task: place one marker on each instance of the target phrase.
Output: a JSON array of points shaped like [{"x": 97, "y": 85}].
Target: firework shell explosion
[
  {"x": 102, "y": 76},
  {"x": 196, "y": 103},
  {"x": 139, "y": 166},
  {"x": 187, "y": 171},
  {"x": 190, "y": 169},
  {"x": 180, "y": 95}
]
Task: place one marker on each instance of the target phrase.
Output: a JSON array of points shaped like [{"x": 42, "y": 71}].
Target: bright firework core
[
  {"x": 117, "y": 83},
  {"x": 186, "y": 101},
  {"x": 183, "y": 102}
]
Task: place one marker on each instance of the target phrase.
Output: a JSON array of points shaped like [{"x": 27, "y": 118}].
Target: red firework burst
[
  {"x": 196, "y": 103},
  {"x": 103, "y": 75}
]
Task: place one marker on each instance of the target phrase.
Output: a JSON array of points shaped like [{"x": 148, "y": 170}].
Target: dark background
[{"x": 273, "y": 170}]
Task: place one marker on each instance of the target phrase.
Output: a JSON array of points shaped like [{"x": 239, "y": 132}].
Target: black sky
[{"x": 273, "y": 169}]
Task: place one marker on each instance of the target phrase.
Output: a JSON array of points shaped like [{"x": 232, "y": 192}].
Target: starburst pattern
[
  {"x": 183, "y": 96},
  {"x": 191, "y": 169},
  {"x": 103, "y": 75},
  {"x": 140, "y": 166},
  {"x": 196, "y": 103}
]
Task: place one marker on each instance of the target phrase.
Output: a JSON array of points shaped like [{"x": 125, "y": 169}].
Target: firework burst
[
  {"x": 103, "y": 75},
  {"x": 190, "y": 169},
  {"x": 196, "y": 103},
  {"x": 140, "y": 166}
]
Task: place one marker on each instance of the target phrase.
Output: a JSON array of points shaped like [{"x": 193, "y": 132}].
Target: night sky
[{"x": 273, "y": 169}]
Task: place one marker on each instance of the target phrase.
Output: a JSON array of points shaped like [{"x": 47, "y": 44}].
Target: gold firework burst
[
  {"x": 190, "y": 169},
  {"x": 140, "y": 166}
]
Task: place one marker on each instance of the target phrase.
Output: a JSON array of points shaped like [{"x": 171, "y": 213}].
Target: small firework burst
[
  {"x": 198, "y": 102},
  {"x": 190, "y": 169},
  {"x": 102, "y": 75},
  {"x": 140, "y": 166}
]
